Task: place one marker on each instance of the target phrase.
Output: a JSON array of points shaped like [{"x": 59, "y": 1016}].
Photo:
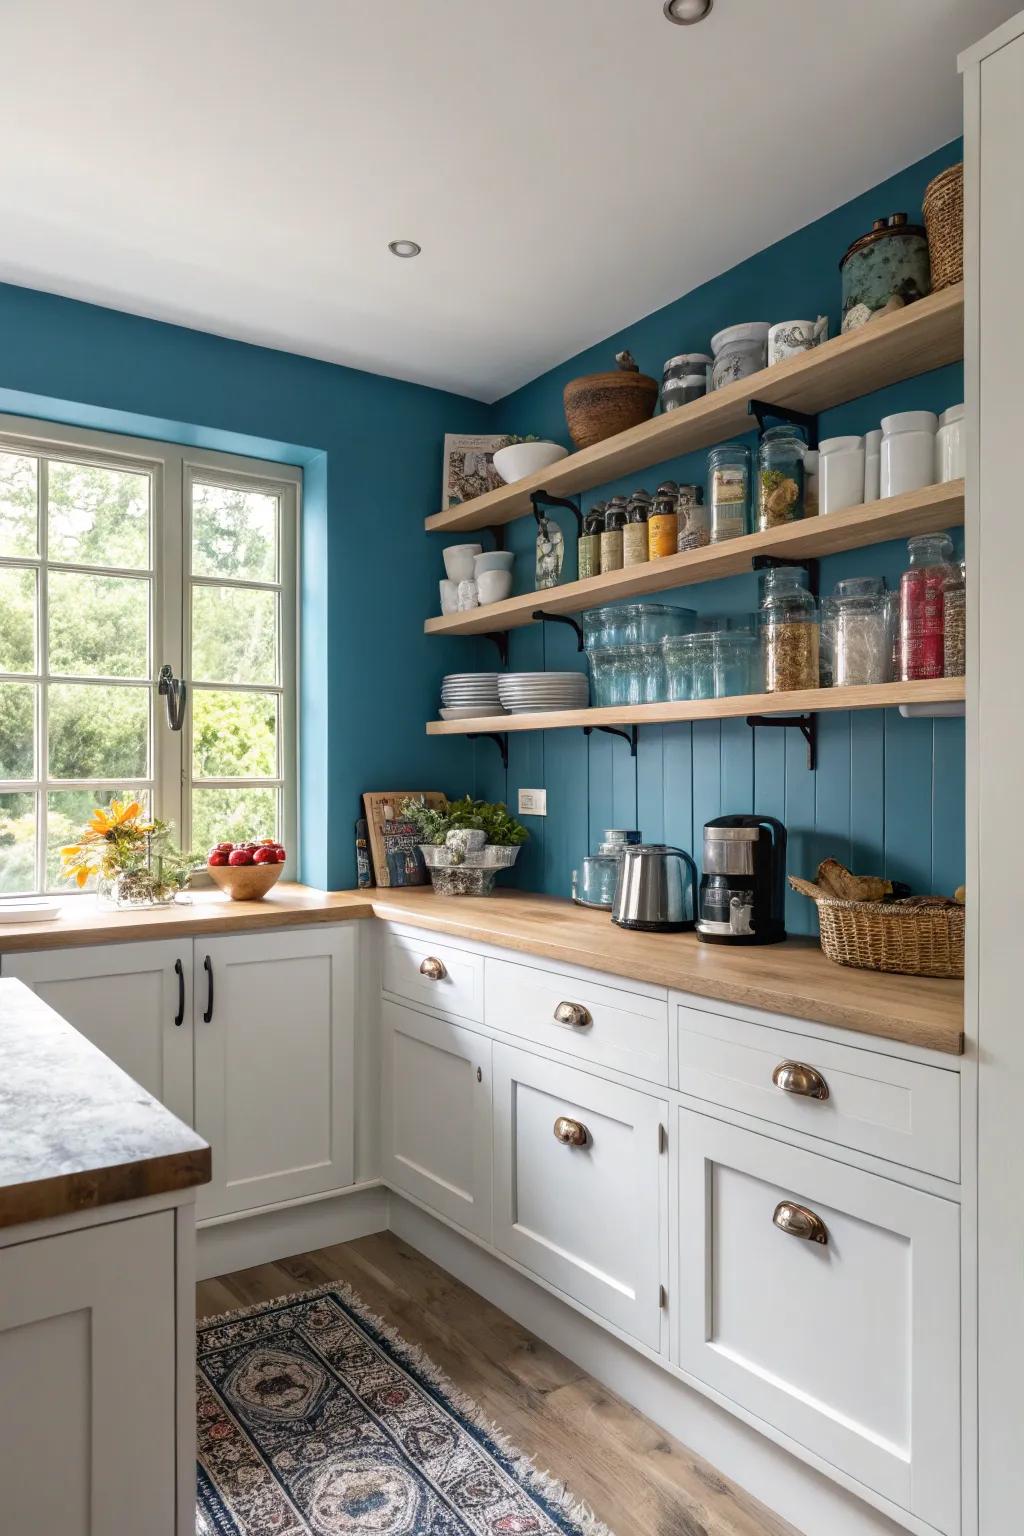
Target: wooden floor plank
[{"x": 636, "y": 1478}]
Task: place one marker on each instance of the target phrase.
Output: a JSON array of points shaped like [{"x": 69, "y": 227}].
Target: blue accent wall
[{"x": 888, "y": 793}]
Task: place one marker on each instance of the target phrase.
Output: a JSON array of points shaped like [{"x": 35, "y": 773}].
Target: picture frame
[
  {"x": 469, "y": 466},
  {"x": 394, "y": 842}
]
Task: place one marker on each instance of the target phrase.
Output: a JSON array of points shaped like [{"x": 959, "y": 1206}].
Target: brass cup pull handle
[
  {"x": 798, "y": 1221},
  {"x": 571, "y": 1133},
  {"x": 574, "y": 1014},
  {"x": 798, "y": 1077},
  {"x": 433, "y": 969}
]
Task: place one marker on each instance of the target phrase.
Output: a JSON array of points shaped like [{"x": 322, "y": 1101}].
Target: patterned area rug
[{"x": 316, "y": 1419}]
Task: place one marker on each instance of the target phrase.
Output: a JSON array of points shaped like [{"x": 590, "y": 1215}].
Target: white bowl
[
  {"x": 522, "y": 459},
  {"x": 458, "y": 561},
  {"x": 493, "y": 560},
  {"x": 494, "y": 586}
]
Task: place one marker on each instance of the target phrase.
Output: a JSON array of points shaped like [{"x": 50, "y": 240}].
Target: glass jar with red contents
[{"x": 921, "y": 631}]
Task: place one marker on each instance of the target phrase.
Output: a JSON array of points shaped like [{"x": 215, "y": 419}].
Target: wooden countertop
[
  {"x": 793, "y": 978},
  {"x": 75, "y": 1131}
]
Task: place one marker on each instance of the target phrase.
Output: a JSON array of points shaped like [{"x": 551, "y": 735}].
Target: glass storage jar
[
  {"x": 921, "y": 622},
  {"x": 677, "y": 664},
  {"x": 729, "y": 491},
  {"x": 664, "y": 523},
  {"x": 954, "y": 622},
  {"x": 611, "y": 538},
  {"x": 634, "y": 532},
  {"x": 861, "y": 632},
  {"x": 609, "y": 674},
  {"x": 735, "y": 658},
  {"x": 589, "y": 545},
  {"x": 789, "y": 630},
  {"x": 646, "y": 683},
  {"x": 693, "y": 528},
  {"x": 780, "y": 476}
]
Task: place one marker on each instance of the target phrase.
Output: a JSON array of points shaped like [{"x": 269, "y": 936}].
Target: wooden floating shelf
[
  {"x": 914, "y": 340},
  {"x": 931, "y": 510},
  {"x": 941, "y": 690}
]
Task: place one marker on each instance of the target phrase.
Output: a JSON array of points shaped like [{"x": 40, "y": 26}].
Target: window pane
[
  {"x": 232, "y": 816},
  {"x": 67, "y": 812},
  {"x": 18, "y": 504},
  {"x": 17, "y": 730},
  {"x": 98, "y": 731},
  {"x": 99, "y": 625},
  {"x": 17, "y": 843},
  {"x": 98, "y": 516},
  {"x": 234, "y": 635},
  {"x": 17, "y": 619},
  {"x": 234, "y": 533},
  {"x": 234, "y": 735}
]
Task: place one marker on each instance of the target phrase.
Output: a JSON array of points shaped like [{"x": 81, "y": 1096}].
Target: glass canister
[
  {"x": 610, "y": 673},
  {"x": 729, "y": 491},
  {"x": 611, "y": 537},
  {"x": 677, "y": 663},
  {"x": 593, "y": 885},
  {"x": 789, "y": 630},
  {"x": 954, "y": 622},
  {"x": 693, "y": 528},
  {"x": 645, "y": 675},
  {"x": 780, "y": 476},
  {"x": 922, "y": 590},
  {"x": 663, "y": 527},
  {"x": 589, "y": 546},
  {"x": 735, "y": 657},
  {"x": 861, "y": 632},
  {"x": 634, "y": 532}
]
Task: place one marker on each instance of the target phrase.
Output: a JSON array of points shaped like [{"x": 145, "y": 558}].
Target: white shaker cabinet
[
  {"x": 274, "y": 1020},
  {"x": 133, "y": 1001}
]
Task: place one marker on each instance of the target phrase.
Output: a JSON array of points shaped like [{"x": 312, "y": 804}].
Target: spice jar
[
  {"x": 589, "y": 546},
  {"x": 693, "y": 527},
  {"x": 663, "y": 528},
  {"x": 789, "y": 630},
  {"x": 780, "y": 476},
  {"x": 729, "y": 491},
  {"x": 922, "y": 585},
  {"x": 634, "y": 534},
  {"x": 861, "y": 632},
  {"x": 954, "y": 622},
  {"x": 611, "y": 537}
]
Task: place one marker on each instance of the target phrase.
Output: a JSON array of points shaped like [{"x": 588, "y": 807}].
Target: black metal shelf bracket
[
  {"x": 500, "y": 638},
  {"x": 807, "y": 725},
  {"x": 540, "y": 616},
  {"x": 497, "y": 533},
  {"x": 632, "y": 735},
  {"x": 500, "y": 738},
  {"x": 539, "y": 499},
  {"x": 761, "y": 409}
]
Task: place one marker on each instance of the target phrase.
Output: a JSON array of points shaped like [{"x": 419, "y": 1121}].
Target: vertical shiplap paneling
[
  {"x": 650, "y": 775},
  {"x": 908, "y": 794},
  {"x": 947, "y": 805},
  {"x": 677, "y": 792},
  {"x": 867, "y": 800},
  {"x": 566, "y": 831},
  {"x": 737, "y": 769},
  {"x": 526, "y": 770},
  {"x": 707, "y": 781},
  {"x": 799, "y": 820},
  {"x": 832, "y": 803},
  {"x": 602, "y": 785},
  {"x": 624, "y": 796}
]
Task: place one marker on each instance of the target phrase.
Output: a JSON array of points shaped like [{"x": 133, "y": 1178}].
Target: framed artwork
[
  {"x": 394, "y": 842},
  {"x": 469, "y": 466}
]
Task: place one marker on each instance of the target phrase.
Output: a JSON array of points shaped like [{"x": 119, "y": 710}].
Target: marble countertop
[{"x": 76, "y": 1132}]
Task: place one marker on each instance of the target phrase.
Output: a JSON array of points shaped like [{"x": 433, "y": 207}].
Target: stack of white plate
[
  {"x": 466, "y": 694},
  {"x": 522, "y": 693}
]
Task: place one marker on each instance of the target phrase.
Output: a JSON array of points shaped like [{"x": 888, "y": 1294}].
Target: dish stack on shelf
[
  {"x": 524, "y": 693},
  {"x": 468, "y": 694}
]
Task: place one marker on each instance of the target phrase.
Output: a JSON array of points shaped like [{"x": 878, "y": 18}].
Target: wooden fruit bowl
[{"x": 245, "y": 882}]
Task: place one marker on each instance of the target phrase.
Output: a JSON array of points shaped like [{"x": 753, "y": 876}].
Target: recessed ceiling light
[
  {"x": 686, "y": 12},
  {"x": 404, "y": 248}
]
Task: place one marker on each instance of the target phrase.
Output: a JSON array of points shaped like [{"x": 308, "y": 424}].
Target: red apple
[
  {"x": 240, "y": 856},
  {"x": 265, "y": 856},
  {"x": 218, "y": 857},
  {"x": 225, "y": 847}
]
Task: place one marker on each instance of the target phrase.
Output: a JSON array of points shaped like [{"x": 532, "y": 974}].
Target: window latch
[{"x": 174, "y": 693}]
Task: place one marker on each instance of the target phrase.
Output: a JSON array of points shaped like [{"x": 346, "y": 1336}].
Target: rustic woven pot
[
  {"x": 601, "y": 404},
  {"x": 889, "y": 936},
  {"x": 944, "y": 221}
]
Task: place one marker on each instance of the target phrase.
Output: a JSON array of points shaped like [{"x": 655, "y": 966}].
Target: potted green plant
[
  {"x": 521, "y": 456},
  {"x": 465, "y": 845}
]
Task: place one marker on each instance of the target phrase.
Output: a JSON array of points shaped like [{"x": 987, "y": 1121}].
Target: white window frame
[{"x": 172, "y": 469}]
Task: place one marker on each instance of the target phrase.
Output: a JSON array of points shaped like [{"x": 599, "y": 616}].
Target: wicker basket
[
  {"x": 601, "y": 404},
  {"x": 944, "y": 221},
  {"x": 889, "y": 936}
]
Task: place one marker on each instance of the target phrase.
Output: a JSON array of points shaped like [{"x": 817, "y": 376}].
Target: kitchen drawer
[
  {"x": 849, "y": 1346},
  {"x": 587, "y": 1218},
  {"x": 424, "y": 969},
  {"x": 623, "y": 1030},
  {"x": 902, "y": 1111}
]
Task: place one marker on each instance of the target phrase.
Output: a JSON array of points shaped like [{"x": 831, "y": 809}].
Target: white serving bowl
[
  {"x": 494, "y": 586},
  {"x": 522, "y": 459},
  {"x": 458, "y": 561},
  {"x": 493, "y": 560}
]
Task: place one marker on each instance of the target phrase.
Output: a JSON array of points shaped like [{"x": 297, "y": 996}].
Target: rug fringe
[{"x": 550, "y": 1488}]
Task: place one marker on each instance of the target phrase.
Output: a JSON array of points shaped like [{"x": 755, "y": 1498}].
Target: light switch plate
[{"x": 533, "y": 802}]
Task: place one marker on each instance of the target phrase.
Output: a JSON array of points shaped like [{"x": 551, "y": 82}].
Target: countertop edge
[{"x": 70, "y": 1194}]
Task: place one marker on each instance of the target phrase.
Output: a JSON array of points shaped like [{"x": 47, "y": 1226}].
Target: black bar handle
[
  {"x": 179, "y": 971},
  {"x": 208, "y": 968}
]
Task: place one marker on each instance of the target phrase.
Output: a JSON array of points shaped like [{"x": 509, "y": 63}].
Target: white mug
[
  {"x": 789, "y": 337},
  {"x": 469, "y": 596},
  {"x": 449, "y": 596}
]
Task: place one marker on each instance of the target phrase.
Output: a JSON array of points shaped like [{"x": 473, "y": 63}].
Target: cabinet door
[
  {"x": 588, "y": 1218},
  {"x": 87, "y": 1381},
  {"x": 133, "y": 1001},
  {"x": 845, "y": 1335},
  {"x": 274, "y": 1040},
  {"x": 437, "y": 1115}
]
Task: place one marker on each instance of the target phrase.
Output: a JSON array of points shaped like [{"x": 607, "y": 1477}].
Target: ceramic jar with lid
[
  {"x": 789, "y": 630},
  {"x": 780, "y": 476},
  {"x": 729, "y": 491},
  {"x": 950, "y": 445},
  {"x": 884, "y": 270},
  {"x": 907, "y": 461},
  {"x": 740, "y": 350},
  {"x": 841, "y": 473},
  {"x": 873, "y": 464},
  {"x": 685, "y": 378}
]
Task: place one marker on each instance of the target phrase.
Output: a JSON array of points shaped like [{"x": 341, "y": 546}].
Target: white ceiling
[{"x": 567, "y": 165}]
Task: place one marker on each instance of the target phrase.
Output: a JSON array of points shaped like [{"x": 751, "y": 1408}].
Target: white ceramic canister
[
  {"x": 740, "y": 350},
  {"x": 873, "y": 464},
  {"x": 812, "y": 484},
  {"x": 789, "y": 337},
  {"x": 950, "y": 445},
  {"x": 840, "y": 473},
  {"x": 908, "y": 452}
]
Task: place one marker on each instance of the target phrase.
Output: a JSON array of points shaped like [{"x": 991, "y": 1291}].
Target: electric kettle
[{"x": 656, "y": 889}]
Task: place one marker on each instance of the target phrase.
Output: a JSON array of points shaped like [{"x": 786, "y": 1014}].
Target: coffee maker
[{"x": 743, "y": 888}]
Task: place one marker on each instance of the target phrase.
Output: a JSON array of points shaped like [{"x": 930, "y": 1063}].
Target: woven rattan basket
[
  {"x": 944, "y": 221},
  {"x": 889, "y": 936},
  {"x": 602, "y": 404}
]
